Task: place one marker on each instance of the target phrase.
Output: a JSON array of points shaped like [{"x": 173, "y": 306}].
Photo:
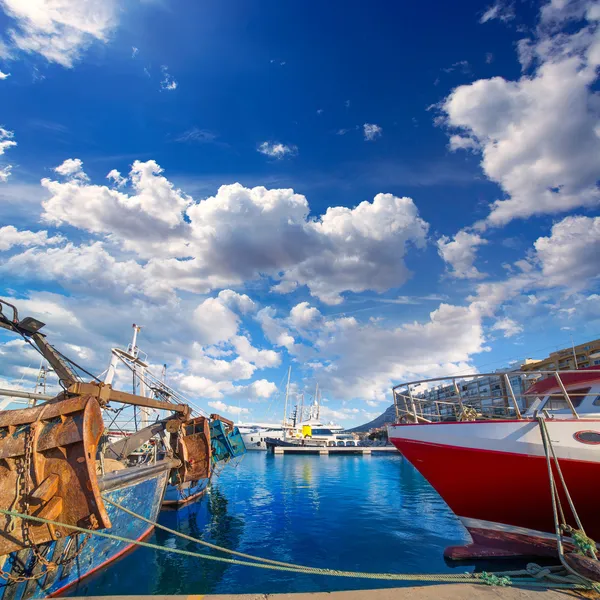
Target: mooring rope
[
  {"x": 476, "y": 578},
  {"x": 585, "y": 544},
  {"x": 532, "y": 570}
]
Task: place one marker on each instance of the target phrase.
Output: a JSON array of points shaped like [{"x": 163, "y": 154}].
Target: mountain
[{"x": 389, "y": 416}]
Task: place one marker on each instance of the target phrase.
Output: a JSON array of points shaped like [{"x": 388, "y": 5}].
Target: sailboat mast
[
  {"x": 317, "y": 400},
  {"x": 287, "y": 392}
]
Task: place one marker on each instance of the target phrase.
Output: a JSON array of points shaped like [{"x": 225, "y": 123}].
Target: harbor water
[{"x": 361, "y": 513}]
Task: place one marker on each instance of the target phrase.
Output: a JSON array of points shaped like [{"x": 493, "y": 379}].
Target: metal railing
[{"x": 485, "y": 396}]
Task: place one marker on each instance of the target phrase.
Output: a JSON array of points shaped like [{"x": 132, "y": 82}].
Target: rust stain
[{"x": 61, "y": 476}]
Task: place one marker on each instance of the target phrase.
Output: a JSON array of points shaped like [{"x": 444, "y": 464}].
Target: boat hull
[
  {"x": 142, "y": 495},
  {"x": 176, "y": 496},
  {"x": 503, "y": 497},
  {"x": 254, "y": 442}
]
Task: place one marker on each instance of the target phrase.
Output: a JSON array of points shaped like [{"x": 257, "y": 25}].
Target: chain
[{"x": 12, "y": 522}]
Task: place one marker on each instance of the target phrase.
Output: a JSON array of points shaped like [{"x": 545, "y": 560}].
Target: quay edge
[{"x": 454, "y": 591}]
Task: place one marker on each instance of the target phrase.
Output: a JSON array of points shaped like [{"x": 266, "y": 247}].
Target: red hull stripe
[
  {"x": 514, "y": 455},
  {"x": 102, "y": 565},
  {"x": 510, "y": 489}
]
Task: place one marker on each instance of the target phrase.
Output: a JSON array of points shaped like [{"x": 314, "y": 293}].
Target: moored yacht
[
  {"x": 304, "y": 424},
  {"x": 493, "y": 467},
  {"x": 254, "y": 434}
]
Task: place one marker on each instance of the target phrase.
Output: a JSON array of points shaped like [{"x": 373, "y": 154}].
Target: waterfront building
[
  {"x": 488, "y": 390},
  {"x": 575, "y": 357}
]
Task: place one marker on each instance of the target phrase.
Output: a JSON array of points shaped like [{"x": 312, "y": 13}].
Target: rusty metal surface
[
  {"x": 59, "y": 479},
  {"x": 227, "y": 422},
  {"x": 104, "y": 393},
  {"x": 50, "y": 410},
  {"x": 194, "y": 449}
]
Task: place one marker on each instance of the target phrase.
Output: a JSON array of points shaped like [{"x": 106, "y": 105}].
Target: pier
[
  {"x": 456, "y": 591},
  {"x": 326, "y": 450}
]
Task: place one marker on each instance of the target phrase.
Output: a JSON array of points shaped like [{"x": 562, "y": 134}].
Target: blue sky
[{"x": 417, "y": 189}]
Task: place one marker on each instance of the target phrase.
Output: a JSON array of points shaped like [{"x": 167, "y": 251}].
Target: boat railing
[{"x": 482, "y": 396}]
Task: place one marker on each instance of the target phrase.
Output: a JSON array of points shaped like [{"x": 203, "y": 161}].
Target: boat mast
[
  {"x": 74, "y": 386},
  {"x": 139, "y": 371},
  {"x": 287, "y": 391},
  {"x": 317, "y": 401},
  {"x": 302, "y": 408}
]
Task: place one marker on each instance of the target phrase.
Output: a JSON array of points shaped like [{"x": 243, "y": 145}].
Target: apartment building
[{"x": 577, "y": 357}]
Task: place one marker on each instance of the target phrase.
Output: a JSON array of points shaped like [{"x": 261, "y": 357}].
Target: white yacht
[
  {"x": 305, "y": 423},
  {"x": 254, "y": 434}
]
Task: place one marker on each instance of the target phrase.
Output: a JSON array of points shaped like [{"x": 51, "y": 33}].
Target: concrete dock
[
  {"x": 326, "y": 450},
  {"x": 456, "y": 591}
]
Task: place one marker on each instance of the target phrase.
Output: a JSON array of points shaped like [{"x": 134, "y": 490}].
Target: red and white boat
[{"x": 492, "y": 472}]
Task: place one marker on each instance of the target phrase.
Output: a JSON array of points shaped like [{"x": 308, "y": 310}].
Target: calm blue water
[{"x": 341, "y": 512}]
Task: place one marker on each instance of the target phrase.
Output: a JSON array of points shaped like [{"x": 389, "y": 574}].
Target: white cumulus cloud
[
  {"x": 238, "y": 302},
  {"x": 570, "y": 255},
  {"x": 372, "y": 131},
  {"x": 59, "y": 30},
  {"x": 116, "y": 178},
  {"x": 73, "y": 168},
  {"x": 220, "y": 406},
  {"x": 214, "y": 322},
  {"x": 304, "y": 316},
  {"x": 463, "y": 142},
  {"x": 277, "y": 149},
  {"x": 260, "y": 358},
  {"x": 507, "y": 326},
  {"x": 240, "y": 234},
  {"x": 539, "y": 135},
  {"x": 6, "y": 140},
  {"x": 10, "y": 236},
  {"x": 460, "y": 253}
]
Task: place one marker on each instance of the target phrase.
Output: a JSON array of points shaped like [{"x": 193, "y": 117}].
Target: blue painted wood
[
  {"x": 142, "y": 497},
  {"x": 179, "y": 495},
  {"x": 225, "y": 445}
]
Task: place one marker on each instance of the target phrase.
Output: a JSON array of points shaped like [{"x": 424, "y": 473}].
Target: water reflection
[{"x": 341, "y": 512}]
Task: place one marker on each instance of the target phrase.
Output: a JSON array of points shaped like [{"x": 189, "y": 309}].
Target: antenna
[
  {"x": 133, "y": 349},
  {"x": 574, "y": 355}
]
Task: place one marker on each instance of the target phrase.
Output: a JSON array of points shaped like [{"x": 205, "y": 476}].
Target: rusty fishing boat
[
  {"x": 57, "y": 464},
  {"x": 225, "y": 441}
]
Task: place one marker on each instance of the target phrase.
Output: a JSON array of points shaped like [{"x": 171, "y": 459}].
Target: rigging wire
[
  {"x": 152, "y": 381},
  {"x": 73, "y": 363}
]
